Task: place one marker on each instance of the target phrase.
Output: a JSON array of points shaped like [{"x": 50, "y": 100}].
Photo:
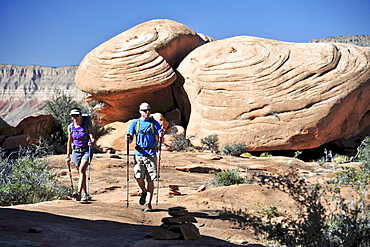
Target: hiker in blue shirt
[
  {"x": 80, "y": 138},
  {"x": 147, "y": 131}
]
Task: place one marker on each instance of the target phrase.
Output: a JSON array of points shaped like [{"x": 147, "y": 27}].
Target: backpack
[
  {"x": 151, "y": 119},
  {"x": 86, "y": 119}
]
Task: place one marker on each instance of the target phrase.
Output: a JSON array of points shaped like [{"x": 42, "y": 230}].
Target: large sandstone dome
[
  {"x": 268, "y": 94},
  {"x": 274, "y": 95},
  {"x": 135, "y": 66}
]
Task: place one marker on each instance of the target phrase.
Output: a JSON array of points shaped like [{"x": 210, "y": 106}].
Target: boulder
[
  {"x": 116, "y": 138},
  {"x": 29, "y": 131},
  {"x": 136, "y": 66},
  {"x": 273, "y": 95},
  {"x": 7, "y": 130},
  {"x": 37, "y": 126},
  {"x": 14, "y": 142}
]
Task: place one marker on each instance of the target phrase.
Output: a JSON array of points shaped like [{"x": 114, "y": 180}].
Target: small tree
[{"x": 60, "y": 106}]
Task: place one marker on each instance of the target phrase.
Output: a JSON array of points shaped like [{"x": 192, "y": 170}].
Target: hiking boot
[
  {"x": 76, "y": 196},
  {"x": 142, "y": 198},
  {"x": 85, "y": 197},
  {"x": 148, "y": 208}
]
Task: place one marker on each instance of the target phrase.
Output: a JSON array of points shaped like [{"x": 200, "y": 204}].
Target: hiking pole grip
[{"x": 127, "y": 168}]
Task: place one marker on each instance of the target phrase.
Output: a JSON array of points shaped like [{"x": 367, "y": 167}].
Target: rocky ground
[{"x": 109, "y": 220}]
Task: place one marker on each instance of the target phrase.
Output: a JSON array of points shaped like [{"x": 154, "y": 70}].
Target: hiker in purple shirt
[{"x": 80, "y": 138}]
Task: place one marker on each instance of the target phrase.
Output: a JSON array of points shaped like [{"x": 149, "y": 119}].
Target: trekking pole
[
  {"x": 88, "y": 176},
  {"x": 159, "y": 168},
  {"x": 127, "y": 169},
  {"x": 70, "y": 176}
]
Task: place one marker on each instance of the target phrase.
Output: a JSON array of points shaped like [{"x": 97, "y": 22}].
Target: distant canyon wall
[{"x": 24, "y": 89}]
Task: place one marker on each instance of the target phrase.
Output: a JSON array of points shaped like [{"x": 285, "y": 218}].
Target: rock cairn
[
  {"x": 174, "y": 190},
  {"x": 178, "y": 226}
]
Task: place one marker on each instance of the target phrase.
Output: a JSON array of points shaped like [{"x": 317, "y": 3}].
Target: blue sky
[{"x": 61, "y": 32}]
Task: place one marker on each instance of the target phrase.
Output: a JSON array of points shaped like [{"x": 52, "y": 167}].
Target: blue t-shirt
[{"x": 145, "y": 138}]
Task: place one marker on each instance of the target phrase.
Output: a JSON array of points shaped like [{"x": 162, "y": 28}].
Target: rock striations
[
  {"x": 25, "y": 88},
  {"x": 267, "y": 94},
  {"x": 135, "y": 66},
  {"x": 274, "y": 95}
]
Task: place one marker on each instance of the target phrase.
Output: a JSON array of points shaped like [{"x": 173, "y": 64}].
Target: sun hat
[{"x": 75, "y": 112}]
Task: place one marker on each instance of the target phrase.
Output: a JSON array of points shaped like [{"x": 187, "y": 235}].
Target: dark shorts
[{"x": 146, "y": 167}]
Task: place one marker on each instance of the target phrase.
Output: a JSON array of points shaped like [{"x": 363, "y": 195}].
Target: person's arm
[
  {"x": 160, "y": 131},
  {"x": 130, "y": 132},
  {"x": 69, "y": 149},
  {"x": 91, "y": 135}
]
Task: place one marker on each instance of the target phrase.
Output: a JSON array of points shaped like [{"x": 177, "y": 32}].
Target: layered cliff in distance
[
  {"x": 24, "y": 89},
  {"x": 360, "y": 40}
]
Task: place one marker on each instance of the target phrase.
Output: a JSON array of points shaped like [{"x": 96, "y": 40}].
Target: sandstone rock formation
[
  {"x": 138, "y": 65},
  {"x": 274, "y": 95},
  {"x": 28, "y": 132},
  {"x": 25, "y": 88},
  {"x": 267, "y": 94}
]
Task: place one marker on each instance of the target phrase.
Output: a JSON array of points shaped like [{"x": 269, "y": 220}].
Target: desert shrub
[
  {"x": 246, "y": 154},
  {"x": 318, "y": 223},
  {"x": 227, "y": 177},
  {"x": 180, "y": 142},
  {"x": 269, "y": 211},
  {"x": 60, "y": 106},
  {"x": 27, "y": 178},
  {"x": 340, "y": 159},
  {"x": 211, "y": 142},
  {"x": 266, "y": 154},
  {"x": 235, "y": 149}
]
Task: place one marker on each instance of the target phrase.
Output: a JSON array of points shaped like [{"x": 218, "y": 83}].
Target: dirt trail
[{"x": 107, "y": 220}]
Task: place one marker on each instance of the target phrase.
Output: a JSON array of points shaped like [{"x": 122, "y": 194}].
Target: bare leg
[
  {"x": 141, "y": 183},
  {"x": 150, "y": 190},
  {"x": 82, "y": 176}
]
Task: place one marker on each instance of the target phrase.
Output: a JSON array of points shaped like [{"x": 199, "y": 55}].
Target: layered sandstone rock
[
  {"x": 138, "y": 65},
  {"x": 28, "y": 132},
  {"x": 274, "y": 95},
  {"x": 24, "y": 89}
]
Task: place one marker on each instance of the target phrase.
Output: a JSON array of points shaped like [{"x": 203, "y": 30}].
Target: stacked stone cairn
[
  {"x": 174, "y": 190},
  {"x": 178, "y": 226}
]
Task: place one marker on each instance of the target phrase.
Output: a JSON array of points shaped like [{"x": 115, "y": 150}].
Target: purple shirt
[{"x": 80, "y": 137}]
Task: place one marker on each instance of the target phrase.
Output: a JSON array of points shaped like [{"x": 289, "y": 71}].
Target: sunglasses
[
  {"x": 145, "y": 110},
  {"x": 75, "y": 115}
]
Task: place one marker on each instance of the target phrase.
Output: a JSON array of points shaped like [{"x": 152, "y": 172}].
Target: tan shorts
[{"x": 146, "y": 167}]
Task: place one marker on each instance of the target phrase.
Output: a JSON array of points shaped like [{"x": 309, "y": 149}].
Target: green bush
[
  {"x": 61, "y": 105},
  {"x": 228, "y": 177},
  {"x": 181, "y": 143},
  {"x": 235, "y": 149},
  {"x": 27, "y": 178},
  {"x": 211, "y": 142},
  {"x": 266, "y": 154}
]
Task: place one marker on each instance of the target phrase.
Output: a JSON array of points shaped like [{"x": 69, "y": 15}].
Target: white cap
[{"x": 75, "y": 112}]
